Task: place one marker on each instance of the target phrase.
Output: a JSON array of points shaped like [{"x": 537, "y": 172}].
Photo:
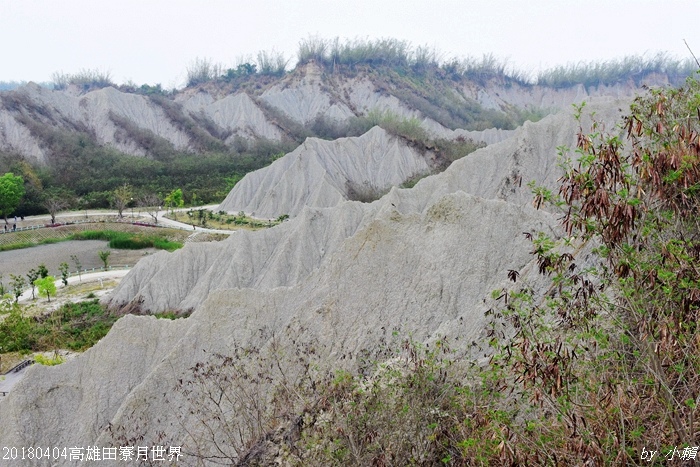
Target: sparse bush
[
  {"x": 48, "y": 361},
  {"x": 364, "y": 192},
  {"x": 63, "y": 267},
  {"x": 235, "y": 400},
  {"x": 168, "y": 315},
  {"x": 104, "y": 256},
  {"x": 203, "y": 70},
  {"x": 271, "y": 63},
  {"x": 85, "y": 79},
  {"x": 144, "y": 89},
  {"x": 412, "y": 181},
  {"x": 623, "y": 330},
  {"x": 411, "y": 408},
  {"x": 17, "y": 284},
  {"x": 630, "y": 68}
]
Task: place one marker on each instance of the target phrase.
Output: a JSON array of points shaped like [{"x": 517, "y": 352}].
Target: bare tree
[
  {"x": 151, "y": 203},
  {"x": 54, "y": 205}
]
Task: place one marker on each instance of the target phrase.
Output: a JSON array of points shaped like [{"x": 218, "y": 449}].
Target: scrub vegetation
[
  {"x": 600, "y": 367},
  {"x": 74, "y": 326}
]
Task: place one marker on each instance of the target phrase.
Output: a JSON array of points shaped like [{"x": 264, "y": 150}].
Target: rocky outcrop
[
  {"x": 305, "y": 96},
  {"x": 237, "y": 115},
  {"x": 324, "y": 173}
]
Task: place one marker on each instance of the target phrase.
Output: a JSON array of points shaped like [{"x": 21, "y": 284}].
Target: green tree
[
  {"x": 121, "y": 197},
  {"x": 11, "y": 192},
  {"x": 104, "y": 256},
  {"x": 46, "y": 286},
  {"x": 43, "y": 272},
  {"x": 174, "y": 200},
  {"x": 63, "y": 267},
  {"x": 18, "y": 283},
  {"x": 33, "y": 275}
]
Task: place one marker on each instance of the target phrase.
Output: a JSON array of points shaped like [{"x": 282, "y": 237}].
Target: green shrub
[
  {"x": 48, "y": 361},
  {"x": 167, "y": 245},
  {"x": 18, "y": 333},
  {"x": 168, "y": 315}
]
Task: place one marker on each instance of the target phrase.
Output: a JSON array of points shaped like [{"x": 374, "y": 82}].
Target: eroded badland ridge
[
  {"x": 340, "y": 278},
  {"x": 310, "y": 98}
]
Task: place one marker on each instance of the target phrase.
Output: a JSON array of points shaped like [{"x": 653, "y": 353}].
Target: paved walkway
[
  {"x": 163, "y": 221},
  {"x": 84, "y": 277},
  {"x": 8, "y": 381},
  {"x": 39, "y": 222}
]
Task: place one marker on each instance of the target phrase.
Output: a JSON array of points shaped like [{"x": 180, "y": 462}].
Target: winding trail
[{"x": 9, "y": 380}]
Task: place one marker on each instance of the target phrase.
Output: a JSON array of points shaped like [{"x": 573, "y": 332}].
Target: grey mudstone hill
[
  {"x": 337, "y": 281},
  {"x": 212, "y": 115},
  {"x": 323, "y": 173}
]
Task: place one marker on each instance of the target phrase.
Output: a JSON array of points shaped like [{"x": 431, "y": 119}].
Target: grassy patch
[
  {"x": 171, "y": 315},
  {"x": 127, "y": 240},
  {"x": 223, "y": 221},
  {"x": 48, "y": 361},
  {"x": 17, "y": 246},
  {"x": 411, "y": 182},
  {"x": 75, "y": 326},
  {"x": 29, "y": 244}
]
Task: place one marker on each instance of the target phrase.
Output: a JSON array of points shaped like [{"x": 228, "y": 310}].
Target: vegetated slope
[
  {"x": 131, "y": 123},
  {"x": 309, "y": 101},
  {"x": 323, "y": 173},
  {"x": 336, "y": 280}
]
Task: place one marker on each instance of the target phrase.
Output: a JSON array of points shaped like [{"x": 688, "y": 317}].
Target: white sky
[{"x": 153, "y": 41}]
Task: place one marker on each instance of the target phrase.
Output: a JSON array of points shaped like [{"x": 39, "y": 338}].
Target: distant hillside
[
  {"x": 332, "y": 84},
  {"x": 82, "y": 136}
]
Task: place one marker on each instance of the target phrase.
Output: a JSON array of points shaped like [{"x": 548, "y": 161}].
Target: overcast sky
[{"x": 153, "y": 41}]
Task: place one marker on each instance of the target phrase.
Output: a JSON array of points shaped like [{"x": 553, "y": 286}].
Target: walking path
[
  {"x": 8, "y": 380},
  {"x": 40, "y": 222},
  {"x": 111, "y": 273}
]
